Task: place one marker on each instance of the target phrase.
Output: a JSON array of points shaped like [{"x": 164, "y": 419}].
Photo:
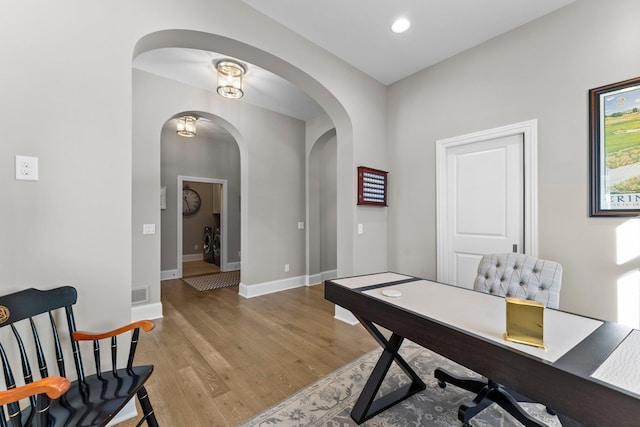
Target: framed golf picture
[{"x": 614, "y": 133}]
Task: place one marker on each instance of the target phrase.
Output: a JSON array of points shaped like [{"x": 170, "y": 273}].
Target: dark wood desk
[{"x": 459, "y": 324}]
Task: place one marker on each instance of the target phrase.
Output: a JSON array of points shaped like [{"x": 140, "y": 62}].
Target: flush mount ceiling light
[
  {"x": 186, "y": 126},
  {"x": 230, "y": 75},
  {"x": 400, "y": 25}
]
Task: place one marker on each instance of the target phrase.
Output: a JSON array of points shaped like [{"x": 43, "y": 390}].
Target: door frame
[
  {"x": 529, "y": 130},
  {"x": 223, "y": 225}
]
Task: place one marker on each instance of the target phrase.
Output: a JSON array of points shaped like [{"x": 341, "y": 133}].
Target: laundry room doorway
[{"x": 203, "y": 226}]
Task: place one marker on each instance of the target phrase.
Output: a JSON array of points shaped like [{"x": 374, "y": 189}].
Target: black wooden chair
[{"x": 38, "y": 335}]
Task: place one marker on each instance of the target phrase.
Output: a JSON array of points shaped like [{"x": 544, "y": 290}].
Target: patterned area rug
[
  {"x": 328, "y": 402},
  {"x": 213, "y": 281}
]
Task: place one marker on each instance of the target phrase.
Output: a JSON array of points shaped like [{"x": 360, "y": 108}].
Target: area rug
[
  {"x": 328, "y": 402},
  {"x": 213, "y": 281}
]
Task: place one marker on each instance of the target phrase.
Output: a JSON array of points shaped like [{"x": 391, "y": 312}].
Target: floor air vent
[{"x": 139, "y": 295}]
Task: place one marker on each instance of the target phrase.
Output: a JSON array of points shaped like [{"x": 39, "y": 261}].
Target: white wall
[
  {"x": 67, "y": 98},
  {"x": 542, "y": 71}
]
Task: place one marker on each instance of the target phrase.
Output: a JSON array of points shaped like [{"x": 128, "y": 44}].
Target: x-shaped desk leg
[{"x": 367, "y": 406}]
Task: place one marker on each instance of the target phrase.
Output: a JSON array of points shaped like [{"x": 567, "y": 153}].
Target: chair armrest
[
  {"x": 54, "y": 387},
  {"x": 147, "y": 325}
]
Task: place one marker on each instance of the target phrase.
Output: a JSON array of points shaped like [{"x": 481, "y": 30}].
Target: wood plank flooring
[
  {"x": 220, "y": 358},
  {"x": 198, "y": 268}
]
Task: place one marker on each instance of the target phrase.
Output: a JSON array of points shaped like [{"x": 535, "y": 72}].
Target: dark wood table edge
[{"x": 516, "y": 370}]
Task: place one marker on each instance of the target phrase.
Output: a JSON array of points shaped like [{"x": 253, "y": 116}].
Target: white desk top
[
  {"x": 477, "y": 313},
  {"x": 621, "y": 367},
  {"x": 484, "y": 316},
  {"x": 371, "y": 279}
]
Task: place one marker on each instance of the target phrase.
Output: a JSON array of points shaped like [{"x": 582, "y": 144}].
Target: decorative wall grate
[{"x": 139, "y": 295}]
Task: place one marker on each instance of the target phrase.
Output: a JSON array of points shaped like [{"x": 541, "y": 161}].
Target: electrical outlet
[
  {"x": 27, "y": 168},
  {"x": 195, "y": 247},
  {"x": 286, "y": 268}
]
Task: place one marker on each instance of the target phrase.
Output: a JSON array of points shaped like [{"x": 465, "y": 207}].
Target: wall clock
[{"x": 190, "y": 201}]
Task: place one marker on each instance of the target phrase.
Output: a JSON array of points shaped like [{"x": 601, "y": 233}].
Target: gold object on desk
[{"x": 525, "y": 322}]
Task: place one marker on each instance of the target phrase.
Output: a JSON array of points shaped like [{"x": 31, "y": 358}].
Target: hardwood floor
[
  {"x": 198, "y": 268},
  {"x": 220, "y": 358}
]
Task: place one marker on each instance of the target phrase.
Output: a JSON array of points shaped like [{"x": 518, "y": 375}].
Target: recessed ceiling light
[{"x": 400, "y": 25}]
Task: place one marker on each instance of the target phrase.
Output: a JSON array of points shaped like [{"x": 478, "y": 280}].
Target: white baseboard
[
  {"x": 345, "y": 316},
  {"x": 146, "y": 311},
  {"x": 168, "y": 274},
  {"x": 315, "y": 279},
  {"x": 127, "y": 413},
  {"x": 329, "y": 275},
  {"x": 250, "y": 291},
  {"x": 232, "y": 266},
  {"x": 192, "y": 257}
]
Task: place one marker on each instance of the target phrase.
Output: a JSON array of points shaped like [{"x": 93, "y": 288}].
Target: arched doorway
[
  {"x": 147, "y": 134},
  {"x": 210, "y": 157},
  {"x": 322, "y": 208}
]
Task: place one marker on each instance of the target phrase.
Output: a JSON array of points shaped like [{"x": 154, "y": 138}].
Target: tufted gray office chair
[{"x": 507, "y": 275}]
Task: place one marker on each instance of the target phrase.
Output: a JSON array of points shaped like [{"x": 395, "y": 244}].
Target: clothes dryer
[
  {"x": 207, "y": 245},
  {"x": 216, "y": 245}
]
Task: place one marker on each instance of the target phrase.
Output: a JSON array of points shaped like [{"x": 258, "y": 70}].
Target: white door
[{"x": 481, "y": 202}]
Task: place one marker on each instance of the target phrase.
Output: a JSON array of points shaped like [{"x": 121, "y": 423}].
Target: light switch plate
[
  {"x": 27, "y": 168},
  {"x": 148, "y": 229}
]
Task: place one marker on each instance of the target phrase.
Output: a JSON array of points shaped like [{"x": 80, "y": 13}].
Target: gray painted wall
[
  {"x": 81, "y": 223},
  {"x": 321, "y": 199},
  {"x": 328, "y": 195},
  {"x": 267, "y": 154},
  {"x": 539, "y": 71},
  {"x": 98, "y": 183},
  {"x": 274, "y": 199}
]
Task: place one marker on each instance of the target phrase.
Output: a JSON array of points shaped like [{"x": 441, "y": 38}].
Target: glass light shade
[
  {"x": 400, "y": 25},
  {"x": 186, "y": 126},
  {"x": 230, "y": 79}
]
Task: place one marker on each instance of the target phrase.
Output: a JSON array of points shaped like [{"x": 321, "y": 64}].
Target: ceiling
[
  {"x": 358, "y": 32},
  {"x": 261, "y": 87}
]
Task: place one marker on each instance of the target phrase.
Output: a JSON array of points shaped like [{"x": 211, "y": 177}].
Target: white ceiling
[
  {"x": 262, "y": 88},
  {"x": 358, "y": 32}
]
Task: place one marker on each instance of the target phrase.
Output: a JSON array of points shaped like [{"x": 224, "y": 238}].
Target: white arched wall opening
[
  {"x": 208, "y": 175},
  {"x": 146, "y": 134},
  {"x": 146, "y": 165},
  {"x": 321, "y": 207}
]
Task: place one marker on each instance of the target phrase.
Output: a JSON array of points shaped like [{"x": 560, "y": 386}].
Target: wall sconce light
[
  {"x": 186, "y": 126},
  {"x": 230, "y": 75}
]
